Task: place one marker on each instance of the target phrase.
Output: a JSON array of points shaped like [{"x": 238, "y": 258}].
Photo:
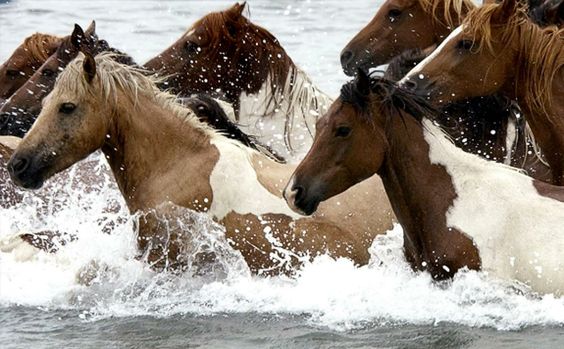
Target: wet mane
[
  {"x": 541, "y": 52},
  {"x": 442, "y": 10},
  {"x": 41, "y": 46},
  {"x": 114, "y": 79}
]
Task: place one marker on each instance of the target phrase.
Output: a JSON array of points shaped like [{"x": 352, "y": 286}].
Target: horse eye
[
  {"x": 47, "y": 72},
  {"x": 191, "y": 47},
  {"x": 67, "y": 108},
  {"x": 343, "y": 131},
  {"x": 465, "y": 45},
  {"x": 12, "y": 73},
  {"x": 394, "y": 14}
]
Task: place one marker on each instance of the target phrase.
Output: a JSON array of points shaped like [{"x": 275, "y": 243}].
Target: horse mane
[
  {"x": 442, "y": 10},
  {"x": 114, "y": 77},
  {"x": 540, "y": 50},
  {"x": 41, "y": 46},
  {"x": 214, "y": 115}
]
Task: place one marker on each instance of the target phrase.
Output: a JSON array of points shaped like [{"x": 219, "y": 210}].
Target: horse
[
  {"x": 400, "y": 25},
  {"x": 21, "y": 110},
  {"x": 25, "y": 60},
  {"x": 230, "y": 57},
  {"x": 488, "y": 126},
  {"x": 498, "y": 49},
  {"x": 456, "y": 209},
  {"x": 164, "y": 159}
]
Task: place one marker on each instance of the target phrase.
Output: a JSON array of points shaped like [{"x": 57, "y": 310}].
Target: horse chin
[{"x": 28, "y": 182}]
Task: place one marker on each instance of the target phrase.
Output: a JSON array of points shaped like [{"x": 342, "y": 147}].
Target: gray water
[{"x": 331, "y": 304}]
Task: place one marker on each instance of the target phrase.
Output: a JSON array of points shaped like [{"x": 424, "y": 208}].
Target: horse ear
[
  {"x": 362, "y": 83},
  {"x": 77, "y": 36},
  {"x": 91, "y": 31},
  {"x": 505, "y": 10},
  {"x": 89, "y": 66},
  {"x": 237, "y": 9}
]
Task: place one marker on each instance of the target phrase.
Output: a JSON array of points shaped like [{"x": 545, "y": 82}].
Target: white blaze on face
[
  {"x": 517, "y": 231},
  {"x": 414, "y": 74}
]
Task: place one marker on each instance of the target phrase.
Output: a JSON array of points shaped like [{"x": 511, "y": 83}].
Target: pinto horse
[
  {"x": 163, "y": 157},
  {"x": 488, "y": 126},
  {"x": 456, "y": 209},
  {"x": 23, "y": 107},
  {"x": 228, "y": 56},
  {"x": 497, "y": 49},
  {"x": 25, "y": 60}
]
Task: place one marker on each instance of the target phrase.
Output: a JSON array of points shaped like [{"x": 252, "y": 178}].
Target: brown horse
[
  {"x": 163, "y": 158},
  {"x": 21, "y": 110},
  {"x": 498, "y": 49},
  {"x": 228, "y": 56},
  {"x": 488, "y": 126},
  {"x": 456, "y": 209},
  {"x": 400, "y": 25},
  {"x": 25, "y": 60}
]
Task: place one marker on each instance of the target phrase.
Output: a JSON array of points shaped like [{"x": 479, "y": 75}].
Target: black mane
[{"x": 208, "y": 110}]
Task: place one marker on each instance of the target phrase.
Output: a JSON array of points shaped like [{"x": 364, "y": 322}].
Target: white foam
[{"x": 329, "y": 293}]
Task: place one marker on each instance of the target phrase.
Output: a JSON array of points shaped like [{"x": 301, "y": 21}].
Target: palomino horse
[
  {"x": 25, "y": 60},
  {"x": 498, "y": 49},
  {"x": 456, "y": 209},
  {"x": 228, "y": 56},
  {"x": 163, "y": 157},
  {"x": 487, "y": 126},
  {"x": 400, "y": 25},
  {"x": 22, "y": 108}
]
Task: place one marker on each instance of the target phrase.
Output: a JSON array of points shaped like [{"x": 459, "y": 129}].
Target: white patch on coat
[
  {"x": 292, "y": 113},
  {"x": 415, "y": 71},
  {"x": 236, "y": 187},
  {"x": 510, "y": 140},
  {"x": 517, "y": 231}
]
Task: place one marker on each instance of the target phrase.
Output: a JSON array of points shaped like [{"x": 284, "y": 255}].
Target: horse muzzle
[
  {"x": 24, "y": 171},
  {"x": 298, "y": 199}
]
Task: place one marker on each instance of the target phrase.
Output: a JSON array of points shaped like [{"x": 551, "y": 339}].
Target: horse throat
[{"x": 421, "y": 194}]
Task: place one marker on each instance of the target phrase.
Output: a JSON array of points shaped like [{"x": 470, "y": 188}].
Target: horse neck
[
  {"x": 420, "y": 191},
  {"x": 143, "y": 143}
]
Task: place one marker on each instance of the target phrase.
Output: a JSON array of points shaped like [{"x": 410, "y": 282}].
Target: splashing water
[{"x": 97, "y": 274}]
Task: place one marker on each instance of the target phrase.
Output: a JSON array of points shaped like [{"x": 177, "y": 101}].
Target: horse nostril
[
  {"x": 19, "y": 165},
  {"x": 346, "y": 57},
  {"x": 409, "y": 85},
  {"x": 299, "y": 192}
]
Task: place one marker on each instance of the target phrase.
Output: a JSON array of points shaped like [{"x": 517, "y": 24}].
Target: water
[{"x": 331, "y": 304}]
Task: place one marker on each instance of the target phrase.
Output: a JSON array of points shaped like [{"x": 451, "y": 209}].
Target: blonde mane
[
  {"x": 447, "y": 12},
  {"x": 115, "y": 80},
  {"x": 541, "y": 51},
  {"x": 41, "y": 46}
]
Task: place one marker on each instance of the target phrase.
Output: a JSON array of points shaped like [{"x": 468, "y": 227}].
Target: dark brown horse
[
  {"x": 488, "y": 126},
  {"x": 25, "y": 60},
  {"x": 456, "y": 209},
  {"x": 498, "y": 49},
  {"x": 23, "y": 107},
  {"x": 228, "y": 56}
]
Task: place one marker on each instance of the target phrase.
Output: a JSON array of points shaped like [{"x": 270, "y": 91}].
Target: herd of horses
[{"x": 460, "y": 140}]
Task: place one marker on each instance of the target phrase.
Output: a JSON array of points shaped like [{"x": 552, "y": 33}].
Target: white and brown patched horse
[
  {"x": 456, "y": 209},
  {"x": 230, "y": 57},
  {"x": 163, "y": 157}
]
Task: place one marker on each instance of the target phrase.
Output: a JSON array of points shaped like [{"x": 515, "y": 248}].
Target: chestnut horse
[
  {"x": 163, "y": 157},
  {"x": 21, "y": 110},
  {"x": 498, "y": 49},
  {"x": 228, "y": 56},
  {"x": 456, "y": 209},
  {"x": 489, "y": 126},
  {"x": 400, "y": 25},
  {"x": 25, "y": 60}
]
